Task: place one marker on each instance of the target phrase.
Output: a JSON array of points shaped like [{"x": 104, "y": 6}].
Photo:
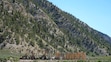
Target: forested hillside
[{"x": 35, "y": 27}]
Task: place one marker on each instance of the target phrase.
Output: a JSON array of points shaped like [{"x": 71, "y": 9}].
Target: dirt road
[
  {"x": 39, "y": 60},
  {"x": 26, "y": 61}
]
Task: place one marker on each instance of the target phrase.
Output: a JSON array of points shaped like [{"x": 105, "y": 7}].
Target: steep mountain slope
[{"x": 35, "y": 27}]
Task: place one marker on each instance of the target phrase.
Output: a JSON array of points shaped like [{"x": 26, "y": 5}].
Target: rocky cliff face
[{"x": 35, "y": 27}]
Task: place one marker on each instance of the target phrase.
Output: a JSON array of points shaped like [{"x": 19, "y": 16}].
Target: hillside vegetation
[{"x": 34, "y": 27}]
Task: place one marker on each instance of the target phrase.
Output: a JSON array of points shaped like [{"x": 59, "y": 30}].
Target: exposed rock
[{"x": 37, "y": 27}]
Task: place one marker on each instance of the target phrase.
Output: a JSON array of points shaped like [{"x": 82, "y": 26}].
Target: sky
[{"x": 95, "y": 13}]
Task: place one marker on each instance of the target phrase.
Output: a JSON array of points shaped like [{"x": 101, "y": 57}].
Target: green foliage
[
  {"x": 17, "y": 41},
  {"x": 77, "y": 32},
  {"x": 80, "y": 61},
  {"x": 3, "y": 59},
  {"x": 32, "y": 43},
  {"x": 40, "y": 43},
  {"x": 7, "y": 55},
  {"x": 99, "y": 61},
  {"x": 47, "y": 22},
  {"x": 1, "y": 39}
]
